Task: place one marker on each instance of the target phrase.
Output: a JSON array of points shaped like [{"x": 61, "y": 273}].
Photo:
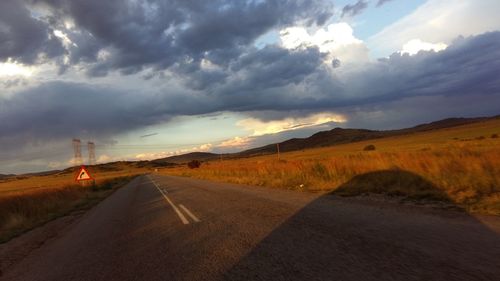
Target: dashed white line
[
  {"x": 181, "y": 216},
  {"x": 189, "y": 213}
]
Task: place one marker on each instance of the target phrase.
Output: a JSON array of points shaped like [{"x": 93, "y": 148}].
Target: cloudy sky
[{"x": 150, "y": 78}]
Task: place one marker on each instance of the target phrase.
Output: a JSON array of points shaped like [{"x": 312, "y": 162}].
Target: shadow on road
[{"x": 335, "y": 238}]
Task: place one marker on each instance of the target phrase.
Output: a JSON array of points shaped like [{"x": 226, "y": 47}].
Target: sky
[{"x": 146, "y": 79}]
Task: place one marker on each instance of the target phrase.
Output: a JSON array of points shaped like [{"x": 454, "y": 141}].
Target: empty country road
[{"x": 172, "y": 228}]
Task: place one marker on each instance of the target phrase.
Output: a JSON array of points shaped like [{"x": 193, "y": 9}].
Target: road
[{"x": 171, "y": 228}]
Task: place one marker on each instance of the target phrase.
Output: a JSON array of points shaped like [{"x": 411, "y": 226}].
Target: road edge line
[
  {"x": 189, "y": 213},
  {"x": 181, "y": 216}
]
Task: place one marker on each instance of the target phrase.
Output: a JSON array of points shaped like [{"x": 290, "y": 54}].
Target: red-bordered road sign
[{"x": 83, "y": 175}]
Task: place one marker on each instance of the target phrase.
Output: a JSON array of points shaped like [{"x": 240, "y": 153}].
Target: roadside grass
[
  {"x": 35, "y": 183},
  {"x": 24, "y": 209},
  {"x": 459, "y": 166}
]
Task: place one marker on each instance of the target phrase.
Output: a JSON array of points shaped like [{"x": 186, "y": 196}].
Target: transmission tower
[
  {"x": 91, "y": 148},
  {"x": 77, "y": 148}
]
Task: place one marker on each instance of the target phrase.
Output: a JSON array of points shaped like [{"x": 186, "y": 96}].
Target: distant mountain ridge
[
  {"x": 5, "y": 176},
  {"x": 327, "y": 138},
  {"x": 184, "y": 158}
]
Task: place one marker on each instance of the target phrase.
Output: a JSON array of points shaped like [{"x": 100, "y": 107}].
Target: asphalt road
[{"x": 170, "y": 228}]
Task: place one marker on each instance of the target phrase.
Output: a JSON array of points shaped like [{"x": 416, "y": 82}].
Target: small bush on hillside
[
  {"x": 369, "y": 147},
  {"x": 319, "y": 170},
  {"x": 494, "y": 136},
  {"x": 480, "y": 138},
  {"x": 194, "y": 164}
]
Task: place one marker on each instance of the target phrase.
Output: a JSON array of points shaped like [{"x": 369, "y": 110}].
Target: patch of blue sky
[
  {"x": 186, "y": 132},
  {"x": 374, "y": 19},
  {"x": 368, "y": 23}
]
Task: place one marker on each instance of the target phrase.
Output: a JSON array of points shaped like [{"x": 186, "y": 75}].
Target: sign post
[{"x": 84, "y": 177}]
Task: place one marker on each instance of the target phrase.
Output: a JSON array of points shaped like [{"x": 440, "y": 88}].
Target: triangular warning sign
[{"x": 83, "y": 175}]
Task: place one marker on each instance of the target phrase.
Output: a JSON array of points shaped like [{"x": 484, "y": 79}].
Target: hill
[
  {"x": 342, "y": 136},
  {"x": 184, "y": 158},
  {"x": 447, "y": 123},
  {"x": 335, "y": 136},
  {"x": 3, "y": 176}
]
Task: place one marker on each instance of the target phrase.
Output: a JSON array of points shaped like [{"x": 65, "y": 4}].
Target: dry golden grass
[
  {"x": 28, "y": 202},
  {"x": 460, "y": 166},
  {"x": 36, "y": 183}
]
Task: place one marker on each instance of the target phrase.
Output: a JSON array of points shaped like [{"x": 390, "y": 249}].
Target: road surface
[{"x": 171, "y": 228}]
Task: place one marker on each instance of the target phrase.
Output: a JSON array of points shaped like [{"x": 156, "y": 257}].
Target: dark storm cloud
[
  {"x": 275, "y": 67},
  {"x": 160, "y": 34},
  {"x": 22, "y": 37},
  {"x": 272, "y": 79},
  {"x": 382, "y": 2},
  {"x": 352, "y": 10},
  {"x": 468, "y": 66},
  {"x": 61, "y": 109},
  {"x": 408, "y": 112}
]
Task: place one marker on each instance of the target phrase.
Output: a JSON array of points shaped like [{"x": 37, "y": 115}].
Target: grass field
[
  {"x": 459, "y": 164},
  {"x": 28, "y": 202}
]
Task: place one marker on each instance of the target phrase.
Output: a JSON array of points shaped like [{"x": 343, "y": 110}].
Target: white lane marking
[
  {"x": 189, "y": 213},
  {"x": 181, "y": 216}
]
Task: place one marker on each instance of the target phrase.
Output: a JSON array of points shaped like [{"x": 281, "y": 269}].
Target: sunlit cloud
[
  {"x": 259, "y": 127},
  {"x": 54, "y": 165},
  {"x": 337, "y": 41},
  {"x": 236, "y": 142},
  {"x": 157, "y": 155},
  {"x": 64, "y": 38},
  {"x": 326, "y": 39},
  {"x": 104, "y": 159},
  {"x": 437, "y": 21},
  {"x": 152, "y": 156},
  {"x": 10, "y": 68},
  {"x": 416, "y": 45}
]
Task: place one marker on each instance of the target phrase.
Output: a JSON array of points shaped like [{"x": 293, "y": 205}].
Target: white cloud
[
  {"x": 416, "y": 45},
  {"x": 236, "y": 142},
  {"x": 75, "y": 162},
  {"x": 64, "y": 38},
  {"x": 10, "y": 68},
  {"x": 337, "y": 40},
  {"x": 54, "y": 165},
  {"x": 259, "y": 127},
  {"x": 104, "y": 158},
  {"x": 438, "y": 21},
  {"x": 156, "y": 155},
  {"x": 208, "y": 65},
  {"x": 326, "y": 39}
]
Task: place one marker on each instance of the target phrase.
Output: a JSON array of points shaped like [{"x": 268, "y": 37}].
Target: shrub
[
  {"x": 480, "y": 138},
  {"x": 494, "y": 136},
  {"x": 320, "y": 170},
  {"x": 369, "y": 147},
  {"x": 194, "y": 164}
]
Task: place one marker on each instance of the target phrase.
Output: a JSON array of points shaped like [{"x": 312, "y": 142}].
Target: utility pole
[
  {"x": 278, "y": 149},
  {"x": 77, "y": 149},
  {"x": 91, "y": 149}
]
